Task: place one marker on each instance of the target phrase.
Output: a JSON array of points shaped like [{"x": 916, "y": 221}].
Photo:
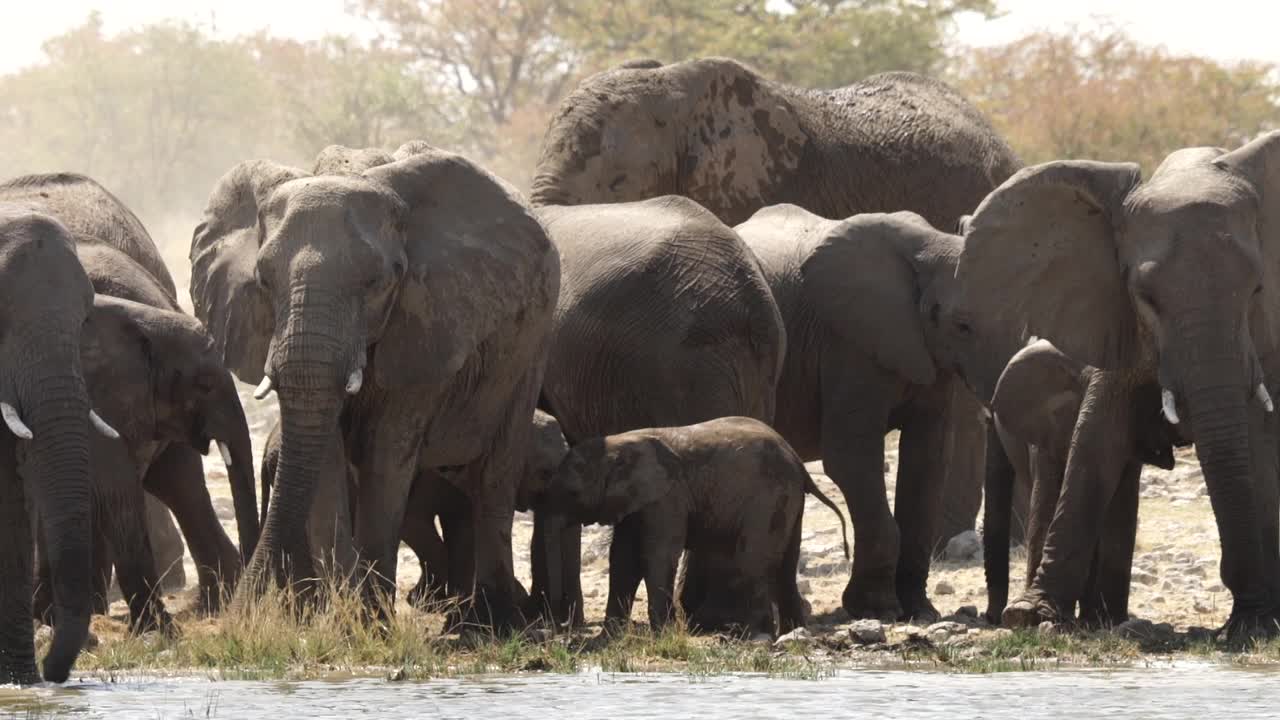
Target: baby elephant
[{"x": 730, "y": 490}]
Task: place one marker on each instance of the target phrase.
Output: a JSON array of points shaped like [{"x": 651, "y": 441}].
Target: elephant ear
[
  {"x": 1259, "y": 163},
  {"x": 643, "y": 472},
  {"x": 1038, "y": 396},
  {"x": 1040, "y": 258},
  {"x": 864, "y": 279},
  {"x": 478, "y": 263},
  {"x": 224, "y": 253},
  {"x": 117, "y": 357}
]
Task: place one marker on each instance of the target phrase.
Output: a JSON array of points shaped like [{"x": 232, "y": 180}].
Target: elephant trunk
[
  {"x": 1219, "y": 418},
  {"x": 311, "y": 365},
  {"x": 553, "y": 527},
  {"x": 234, "y": 433},
  {"x": 56, "y": 468}
]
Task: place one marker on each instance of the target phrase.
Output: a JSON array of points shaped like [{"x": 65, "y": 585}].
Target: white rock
[
  {"x": 1142, "y": 577},
  {"x": 799, "y": 635},
  {"x": 942, "y": 631},
  {"x": 1047, "y": 628},
  {"x": 944, "y": 588},
  {"x": 866, "y": 632}
]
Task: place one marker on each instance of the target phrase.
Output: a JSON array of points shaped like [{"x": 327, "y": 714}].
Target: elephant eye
[{"x": 1258, "y": 290}]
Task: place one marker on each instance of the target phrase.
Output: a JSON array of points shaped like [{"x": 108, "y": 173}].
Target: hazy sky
[{"x": 1225, "y": 29}]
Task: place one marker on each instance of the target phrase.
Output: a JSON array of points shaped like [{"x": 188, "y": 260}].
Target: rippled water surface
[{"x": 1196, "y": 691}]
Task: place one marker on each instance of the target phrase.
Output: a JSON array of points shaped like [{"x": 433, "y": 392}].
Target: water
[{"x": 1186, "y": 690}]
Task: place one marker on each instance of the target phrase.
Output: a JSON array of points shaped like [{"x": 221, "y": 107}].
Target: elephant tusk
[
  {"x": 14, "y": 421},
  {"x": 263, "y": 389},
  {"x": 226, "y": 453},
  {"x": 355, "y": 381},
  {"x": 102, "y": 427},
  {"x": 1168, "y": 406},
  {"x": 1264, "y": 397}
]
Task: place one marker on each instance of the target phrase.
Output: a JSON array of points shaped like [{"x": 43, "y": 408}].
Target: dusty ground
[{"x": 1175, "y": 566}]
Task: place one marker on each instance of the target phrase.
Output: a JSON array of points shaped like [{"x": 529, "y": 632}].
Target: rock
[
  {"x": 798, "y": 636},
  {"x": 761, "y": 638},
  {"x": 1216, "y": 588},
  {"x": 1201, "y": 607},
  {"x": 944, "y": 588},
  {"x": 1196, "y": 570},
  {"x": 1047, "y": 628},
  {"x": 940, "y": 632},
  {"x": 866, "y": 632},
  {"x": 1146, "y": 631},
  {"x": 965, "y": 547},
  {"x": 1142, "y": 577},
  {"x": 968, "y": 611},
  {"x": 915, "y": 634},
  {"x": 803, "y": 586}
]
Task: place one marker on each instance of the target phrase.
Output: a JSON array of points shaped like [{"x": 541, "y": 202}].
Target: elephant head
[
  {"x": 1175, "y": 281},
  {"x": 385, "y": 276},
  {"x": 156, "y": 375},
  {"x": 45, "y": 298},
  {"x": 711, "y": 129}
]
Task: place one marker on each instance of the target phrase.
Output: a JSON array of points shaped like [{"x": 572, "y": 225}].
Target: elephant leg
[
  {"x": 626, "y": 570},
  {"x": 460, "y": 546},
  {"x": 855, "y": 416},
  {"x": 1098, "y": 454},
  {"x": 1106, "y": 603},
  {"x": 692, "y": 583},
  {"x": 571, "y": 547},
  {"x": 996, "y": 521},
  {"x": 918, "y": 503},
  {"x": 17, "y": 642},
  {"x": 126, "y": 531},
  {"x": 1266, "y": 470},
  {"x": 176, "y": 478},
  {"x": 1046, "y": 488},
  {"x": 166, "y": 544},
  {"x": 661, "y": 558},
  {"x": 102, "y": 567},
  {"x": 418, "y": 531},
  {"x": 329, "y": 533},
  {"x": 786, "y": 592}
]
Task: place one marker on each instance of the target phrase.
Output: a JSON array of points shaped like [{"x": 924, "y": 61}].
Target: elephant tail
[{"x": 812, "y": 488}]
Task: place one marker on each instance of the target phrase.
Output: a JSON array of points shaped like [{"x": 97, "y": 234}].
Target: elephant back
[{"x": 95, "y": 217}]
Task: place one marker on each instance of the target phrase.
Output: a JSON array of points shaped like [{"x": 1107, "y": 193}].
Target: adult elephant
[
  {"x": 664, "y": 319},
  {"x": 716, "y": 131},
  {"x": 1175, "y": 281},
  {"x": 863, "y": 358},
  {"x": 157, "y": 375},
  {"x": 45, "y": 298},
  {"x": 409, "y": 296}
]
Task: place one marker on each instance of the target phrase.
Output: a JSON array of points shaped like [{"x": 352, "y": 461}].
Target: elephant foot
[
  {"x": 155, "y": 621},
  {"x": 1244, "y": 627},
  {"x": 493, "y": 610},
  {"x": 917, "y": 610},
  {"x": 864, "y": 601},
  {"x": 426, "y": 595},
  {"x": 20, "y": 676},
  {"x": 1029, "y": 612}
]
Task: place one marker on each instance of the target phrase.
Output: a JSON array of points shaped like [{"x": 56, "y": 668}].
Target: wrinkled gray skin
[
  {"x": 1175, "y": 282},
  {"x": 44, "y": 300},
  {"x": 1035, "y": 408},
  {"x": 402, "y": 301},
  {"x": 729, "y": 489},
  {"x": 664, "y": 319},
  {"x": 861, "y": 348},
  {"x": 717, "y": 132},
  {"x": 154, "y": 376}
]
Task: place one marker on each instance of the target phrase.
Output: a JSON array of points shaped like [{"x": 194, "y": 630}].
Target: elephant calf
[{"x": 731, "y": 490}]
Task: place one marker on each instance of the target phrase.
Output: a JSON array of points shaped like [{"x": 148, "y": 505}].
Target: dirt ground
[{"x": 1175, "y": 565}]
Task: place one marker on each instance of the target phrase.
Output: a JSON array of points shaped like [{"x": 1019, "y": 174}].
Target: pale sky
[{"x": 1223, "y": 29}]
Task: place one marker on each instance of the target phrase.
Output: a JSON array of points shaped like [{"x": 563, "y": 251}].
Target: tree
[{"x": 1101, "y": 95}]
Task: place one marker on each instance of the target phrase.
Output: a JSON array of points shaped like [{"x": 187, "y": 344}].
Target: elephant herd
[{"x": 716, "y": 278}]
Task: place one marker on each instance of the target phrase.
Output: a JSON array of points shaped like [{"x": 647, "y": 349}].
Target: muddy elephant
[
  {"x": 861, "y": 362},
  {"x": 716, "y": 131},
  {"x": 401, "y": 300},
  {"x": 1175, "y": 282},
  {"x": 729, "y": 489},
  {"x": 1035, "y": 408},
  {"x": 45, "y": 298},
  {"x": 664, "y": 319},
  {"x": 154, "y": 371}
]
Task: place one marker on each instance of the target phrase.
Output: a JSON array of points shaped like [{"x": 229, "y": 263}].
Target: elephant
[
  {"x": 1174, "y": 282},
  {"x": 664, "y": 319},
  {"x": 156, "y": 375},
  {"x": 861, "y": 362},
  {"x": 45, "y": 298},
  {"x": 730, "y": 489},
  {"x": 417, "y": 271},
  {"x": 1035, "y": 407},
  {"x": 718, "y": 132}
]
